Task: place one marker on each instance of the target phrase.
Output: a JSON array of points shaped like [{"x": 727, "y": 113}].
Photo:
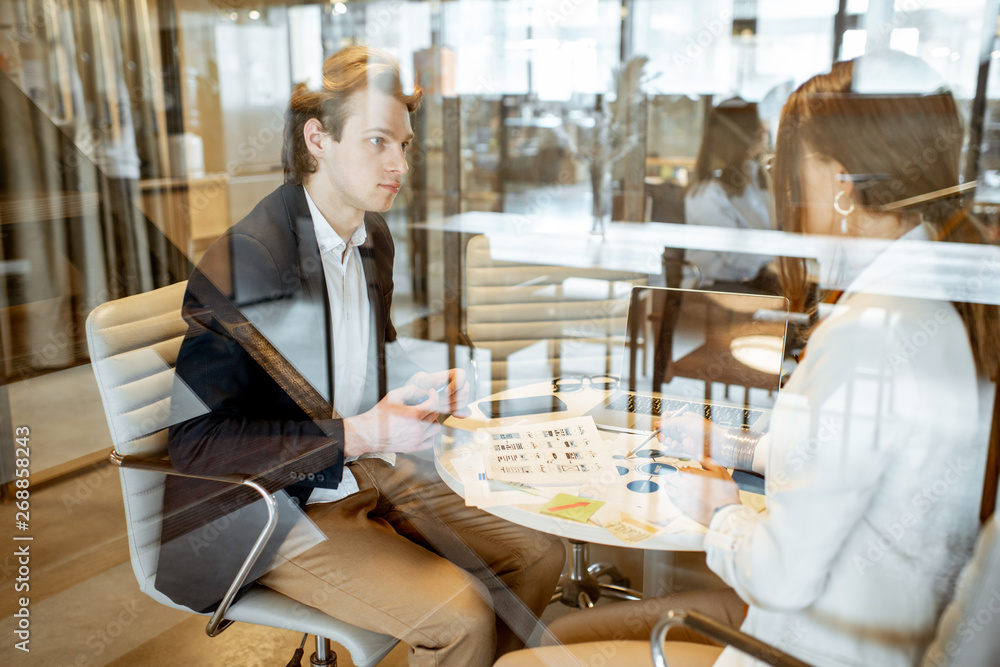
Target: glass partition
[{"x": 134, "y": 134}]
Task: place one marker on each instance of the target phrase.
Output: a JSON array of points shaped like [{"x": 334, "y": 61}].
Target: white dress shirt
[
  {"x": 875, "y": 460},
  {"x": 350, "y": 315}
]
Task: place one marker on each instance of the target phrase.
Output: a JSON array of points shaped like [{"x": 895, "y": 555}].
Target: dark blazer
[{"x": 269, "y": 266}]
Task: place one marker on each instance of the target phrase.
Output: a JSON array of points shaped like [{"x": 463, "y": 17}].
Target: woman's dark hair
[
  {"x": 894, "y": 147},
  {"x": 731, "y": 130},
  {"x": 345, "y": 72}
]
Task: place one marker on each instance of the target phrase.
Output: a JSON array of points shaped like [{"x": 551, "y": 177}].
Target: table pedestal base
[{"x": 581, "y": 587}]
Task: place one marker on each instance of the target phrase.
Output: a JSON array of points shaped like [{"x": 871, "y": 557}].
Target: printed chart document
[
  {"x": 566, "y": 469},
  {"x": 569, "y": 451}
]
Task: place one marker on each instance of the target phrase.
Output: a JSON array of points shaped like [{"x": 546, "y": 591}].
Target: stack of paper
[{"x": 569, "y": 451}]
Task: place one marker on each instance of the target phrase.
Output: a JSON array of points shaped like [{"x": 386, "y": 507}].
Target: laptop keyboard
[{"x": 723, "y": 415}]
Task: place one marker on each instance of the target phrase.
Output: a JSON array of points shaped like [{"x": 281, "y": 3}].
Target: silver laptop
[{"x": 718, "y": 354}]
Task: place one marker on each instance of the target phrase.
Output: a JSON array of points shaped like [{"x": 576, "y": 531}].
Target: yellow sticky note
[
  {"x": 631, "y": 530},
  {"x": 570, "y": 507}
]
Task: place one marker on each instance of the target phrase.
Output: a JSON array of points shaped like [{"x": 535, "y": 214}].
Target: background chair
[
  {"x": 579, "y": 314},
  {"x": 133, "y": 348},
  {"x": 717, "y": 326}
]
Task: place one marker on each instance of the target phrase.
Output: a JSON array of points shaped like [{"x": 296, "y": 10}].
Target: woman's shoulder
[
  {"x": 918, "y": 345},
  {"x": 889, "y": 317}
]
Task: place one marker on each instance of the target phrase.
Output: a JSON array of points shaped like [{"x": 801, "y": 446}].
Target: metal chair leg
[
  {"x": 581, "y": 588},
  {"x": 324, "y": 655},
  {"x": 598, "y": 570}
]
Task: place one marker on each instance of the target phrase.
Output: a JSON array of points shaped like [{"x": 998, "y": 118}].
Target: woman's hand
[
  {"x": 698, "y": 493},
  {"x": 686, "y": 434}
]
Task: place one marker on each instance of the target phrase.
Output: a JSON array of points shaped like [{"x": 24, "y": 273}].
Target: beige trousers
[{"x": 406, "y": 557}]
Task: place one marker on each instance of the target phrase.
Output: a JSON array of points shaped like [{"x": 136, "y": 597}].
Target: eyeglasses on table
[{"x": 568, "y": 383}]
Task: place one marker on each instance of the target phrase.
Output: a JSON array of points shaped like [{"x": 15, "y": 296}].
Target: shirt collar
[{"x": 329, "y": 240}]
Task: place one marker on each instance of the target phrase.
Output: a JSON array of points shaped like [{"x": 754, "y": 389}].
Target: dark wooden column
[
  {"x": 417, "y": 214},
  {"x": 452, "y": 149}
]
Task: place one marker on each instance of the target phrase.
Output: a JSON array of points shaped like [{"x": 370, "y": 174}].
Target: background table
[{"x": 954, "y": 272}]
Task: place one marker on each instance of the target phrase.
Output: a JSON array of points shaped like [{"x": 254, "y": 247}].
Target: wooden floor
[
  {"x": 85, "y": 605},
  {"x": 86, "y": 608}
]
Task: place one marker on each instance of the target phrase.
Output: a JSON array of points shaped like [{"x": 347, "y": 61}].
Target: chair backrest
[
  {"x": 968, "y": 634},
  {"x": 511, "y": 306},
  {"x": 133, "y": 346}
]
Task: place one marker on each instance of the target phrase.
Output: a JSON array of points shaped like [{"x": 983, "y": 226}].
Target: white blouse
[
  {"x": 708, "y": 204},
  {"x": 875, "y": 462}
]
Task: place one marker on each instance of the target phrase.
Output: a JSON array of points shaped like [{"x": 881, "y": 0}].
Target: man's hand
[
  {"x": 401, "y": 422},
  {"x": 451, "y": 387}
]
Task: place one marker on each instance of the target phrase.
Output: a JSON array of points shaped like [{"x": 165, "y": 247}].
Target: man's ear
[{"x": 314, "y": 134}]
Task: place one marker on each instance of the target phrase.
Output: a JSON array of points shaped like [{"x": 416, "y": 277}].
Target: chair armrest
[
  {"x": 217, "y": 622},
  {"x": 473, "y": 364},
  {"x": 721, "y": 633}
]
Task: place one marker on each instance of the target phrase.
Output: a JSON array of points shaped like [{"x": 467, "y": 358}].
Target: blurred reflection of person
[
  {"x": 875, "y": 454},
  {"x": 311, "y": 269},
  {"x": 114, "y": 152},
  {"x": 728, "y": 189}
]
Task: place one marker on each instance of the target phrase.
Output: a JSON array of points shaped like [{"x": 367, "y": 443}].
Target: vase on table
[{"x": 600, "y": 180}]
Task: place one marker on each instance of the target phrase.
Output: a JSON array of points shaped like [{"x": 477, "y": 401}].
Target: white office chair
[
  {"x": 133, "y": 348},
  {"x": 968, "y": 633}
]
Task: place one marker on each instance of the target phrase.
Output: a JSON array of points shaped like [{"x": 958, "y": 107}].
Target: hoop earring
[{"x": 843, "y": 213}]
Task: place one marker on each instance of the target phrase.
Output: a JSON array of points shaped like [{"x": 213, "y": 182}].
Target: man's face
[{"x": 364, "y": 170}]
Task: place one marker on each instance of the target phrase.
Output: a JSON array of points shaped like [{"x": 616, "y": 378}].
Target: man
[{"x": 308, "y": 273}]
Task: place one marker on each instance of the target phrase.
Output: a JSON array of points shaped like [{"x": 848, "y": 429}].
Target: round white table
[{"x": 580, "y": 587}]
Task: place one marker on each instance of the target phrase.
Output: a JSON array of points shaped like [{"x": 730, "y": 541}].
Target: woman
[
  {"x": 875, "y": 457},
  {"x": 729, "y": 190}
]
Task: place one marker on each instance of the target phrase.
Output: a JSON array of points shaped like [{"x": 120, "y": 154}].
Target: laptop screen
[{"x": 720, "y": 352}]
